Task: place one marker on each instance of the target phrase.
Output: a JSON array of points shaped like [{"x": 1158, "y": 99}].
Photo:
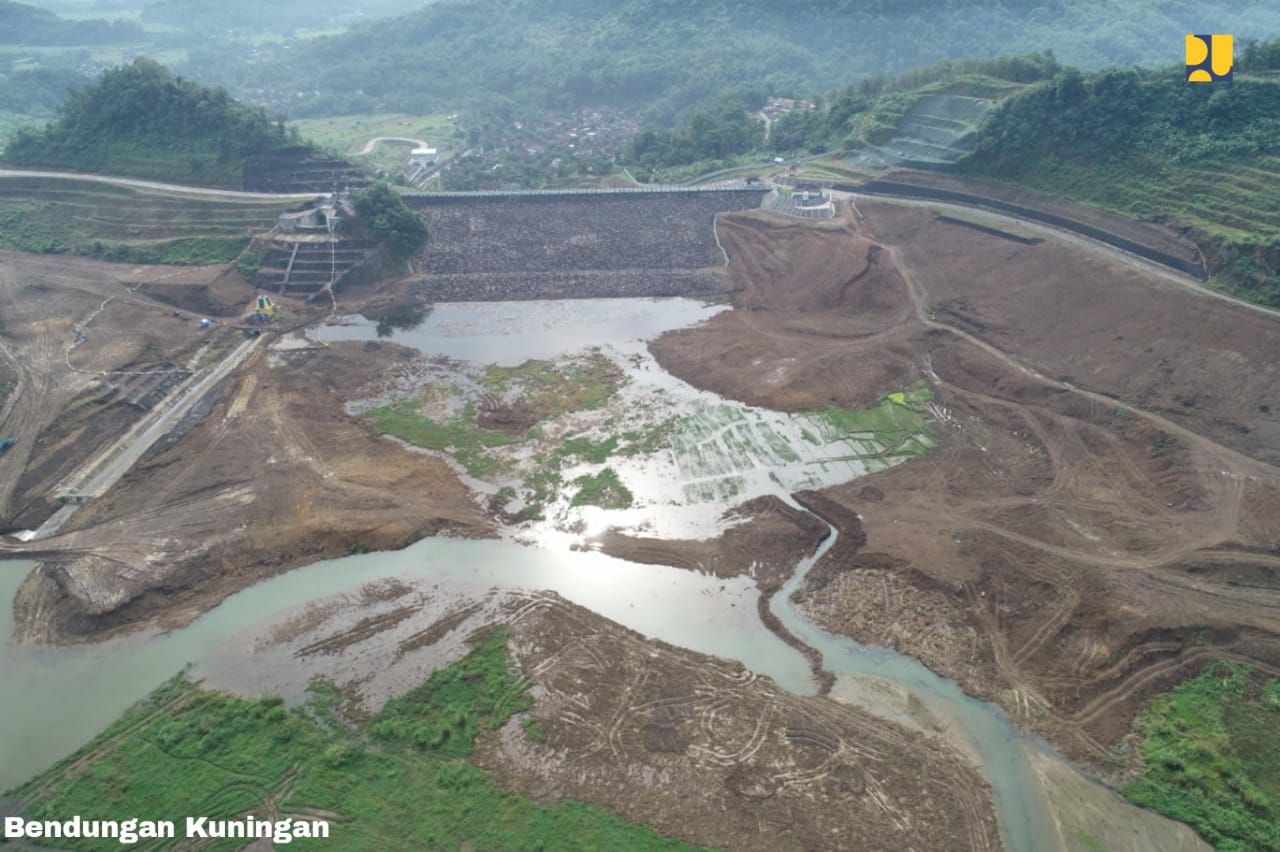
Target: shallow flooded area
[
  {"x": 688, "y": 457},
  {"x": 684, "y": 456}
]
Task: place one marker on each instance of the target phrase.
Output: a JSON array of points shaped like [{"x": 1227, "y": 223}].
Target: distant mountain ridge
[
  {"x": 24, "y": 24},
  {"x": 667, "y": 57}
]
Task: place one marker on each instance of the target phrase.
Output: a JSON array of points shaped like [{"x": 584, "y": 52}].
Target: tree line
[
  {"x": 673, "y": 59},
  {"x": 141, "y": 119},
  {"x": 24, "y": 24}
]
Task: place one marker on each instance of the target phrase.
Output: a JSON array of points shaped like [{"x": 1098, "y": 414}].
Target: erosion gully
[{"x": 55, "y": 699}]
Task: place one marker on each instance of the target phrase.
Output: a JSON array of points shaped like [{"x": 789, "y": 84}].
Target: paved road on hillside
[
  {"x": 368, "y": 146},
  {"x": 172, "y": 188}
]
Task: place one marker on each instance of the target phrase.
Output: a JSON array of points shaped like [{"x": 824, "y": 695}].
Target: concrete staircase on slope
[{"x": 306, "y": 265}]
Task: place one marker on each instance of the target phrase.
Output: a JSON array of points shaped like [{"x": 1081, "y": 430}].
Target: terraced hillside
[
  {"x": 1230, "y": 206},
  {"x": 53, "y": 216},
  {"x": 935, "y": 132},
  {"x": 1204, "y": 162}
]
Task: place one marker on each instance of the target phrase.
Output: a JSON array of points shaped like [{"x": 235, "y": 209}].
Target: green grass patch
[
  {"x": 444, "y": 715},
  {"x": 633, "y": 442},
  {"x": 877, "y": 124},
  {"x": 604, "y": 489},
  {"x": 460, "y": 437},
  {"x": 346, "y": 135},
  {"x": 533, "y": 730},
  {"x": 1211, "y": 754},
  {"x": 553, "y": 388},
  {"x": 642, "y": 442},
  {"x": 1089, "y": 842},
  {"x": 251, "y": 260},
  {"x": 397, "y": 781},
  {"x": 587, "y": 450},
  {"x": 544, "y": 486},
  {"x": 895, "y": 425}
]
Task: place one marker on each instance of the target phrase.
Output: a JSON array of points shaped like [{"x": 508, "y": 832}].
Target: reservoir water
[{"x": 55, "y": 699}]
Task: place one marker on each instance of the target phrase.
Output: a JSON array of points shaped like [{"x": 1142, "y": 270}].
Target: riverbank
[{"x": 1063, "y": 547}]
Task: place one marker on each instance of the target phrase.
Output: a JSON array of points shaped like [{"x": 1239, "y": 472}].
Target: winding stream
[
  {"x": 55, "y": 699},
  {"x": 1015, "y": 787}
]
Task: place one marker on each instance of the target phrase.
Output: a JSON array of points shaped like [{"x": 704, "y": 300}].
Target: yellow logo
[{"x": 1209, "y": 58}]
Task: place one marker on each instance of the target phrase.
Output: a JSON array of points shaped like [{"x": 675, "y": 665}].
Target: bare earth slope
[
  {"x": 1099, "y": 323},
  {"x": 274, "y": 477},
  {"x": 697, "y": 747},
  {"x": 56, "y": 404},
  {"x": 1072, "y": 547}
]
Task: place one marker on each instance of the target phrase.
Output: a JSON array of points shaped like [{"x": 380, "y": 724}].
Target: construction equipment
[{"x": 264, "y": 310}]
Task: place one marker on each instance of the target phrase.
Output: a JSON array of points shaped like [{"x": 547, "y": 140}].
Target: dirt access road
[
  {"x": 1103, "y": 515},
  {"x": 170, "y": 188}
]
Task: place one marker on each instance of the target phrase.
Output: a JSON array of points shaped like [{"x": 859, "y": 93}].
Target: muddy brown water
[{"x": 55, "y": 699}]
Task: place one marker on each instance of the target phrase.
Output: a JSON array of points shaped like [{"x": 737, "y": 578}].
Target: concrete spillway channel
[{"x": 104, "y": 470}]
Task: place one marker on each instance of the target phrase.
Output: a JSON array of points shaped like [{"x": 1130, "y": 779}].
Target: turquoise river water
[{"x": 55, "y": 699}]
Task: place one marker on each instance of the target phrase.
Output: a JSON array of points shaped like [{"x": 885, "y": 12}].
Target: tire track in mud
[
  {"x": 1226, "y": 516},
  {"x": 1071, "y": 428},
  {"x": 1105, "y": 704},
  {"x": 764, "y": 757},
  {"x": 1214, "y": 449}
]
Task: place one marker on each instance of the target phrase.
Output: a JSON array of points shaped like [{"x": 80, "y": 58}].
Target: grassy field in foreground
[
  {"x": 400, "y": 780},
  {"x": 1211, "y": 750},
  {"x": 126, "y": 225}
]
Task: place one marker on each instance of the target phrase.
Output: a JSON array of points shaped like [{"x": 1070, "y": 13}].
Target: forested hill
[
  {"x": 140, "y": 120},
  {"x": 1205, "y": 157},
  {"x": 202, "y": 16},
  {"x": 23, "y": 24},
  {"x": 669, "y": 55}
]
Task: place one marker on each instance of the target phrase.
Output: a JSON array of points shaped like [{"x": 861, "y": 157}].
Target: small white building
[
  {"x": 303, "y": 220},
  {"x": 425, "y": 157}
]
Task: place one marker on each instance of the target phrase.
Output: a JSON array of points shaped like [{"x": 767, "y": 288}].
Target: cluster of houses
[{"x": 775, "y": 107}]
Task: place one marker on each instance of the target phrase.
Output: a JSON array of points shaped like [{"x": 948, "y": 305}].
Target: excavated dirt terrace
[
  {"x": 274, "y": 477},
  {"x": 1099, "y": 520},
  {"x": 699, "y": 748},
  {"x": 266, "y": 474}
]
